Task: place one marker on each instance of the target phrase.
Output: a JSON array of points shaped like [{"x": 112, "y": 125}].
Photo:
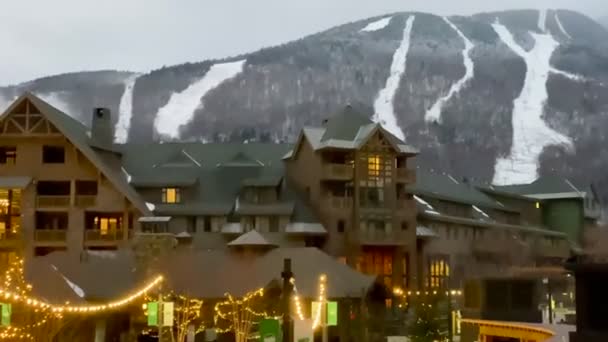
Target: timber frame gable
[{"x": 29, "y": 116}]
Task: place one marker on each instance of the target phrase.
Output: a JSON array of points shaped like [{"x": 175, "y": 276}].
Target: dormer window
[{"x": 171, "y": 195}]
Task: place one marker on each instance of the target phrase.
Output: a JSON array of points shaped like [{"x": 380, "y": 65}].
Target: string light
[
  {"x": 322, "y": 299},
  {"x": 37, "y": 303},
  {"x": 241, "y": 314},
  {"x": 296, "y": 299}
]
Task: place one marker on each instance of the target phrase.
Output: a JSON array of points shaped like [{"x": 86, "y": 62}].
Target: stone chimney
[{"x": 102, "y": 131}]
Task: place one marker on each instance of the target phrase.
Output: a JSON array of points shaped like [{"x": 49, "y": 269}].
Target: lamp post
[{"x": 287, "y": 293}]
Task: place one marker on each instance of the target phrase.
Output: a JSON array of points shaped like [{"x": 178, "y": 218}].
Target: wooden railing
[
  {"x": 85, "y": 200},
  {"x": 338, "y": 171},
  {"x": 517, "y": 331},
  {"x": 53, "y": 201},
  {"x": 406, "y": 175},
  {"x": 108, "y": 236},
  {"x": 338, "y": 202},
  {"x": 8, "y": 235},
  {"x": 377, "y": 236},
  {"x": 50, "y": 235}
]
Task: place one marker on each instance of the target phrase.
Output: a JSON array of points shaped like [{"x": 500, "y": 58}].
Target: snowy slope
[
  {"x": 55, "y": 100},
  {"x": 181, "y": 106},
  {"x": 125, "y": 111},
  {"x": 561, "y": 26},
  {"x": 377, "y": 25},
  {"x": 542, "y": 20},
  {"x": 530, "y": 132},
  {"x": 4, "y": 103},
  {"x": 434, "y": 113},
  {"x": 383, "y": 106}
]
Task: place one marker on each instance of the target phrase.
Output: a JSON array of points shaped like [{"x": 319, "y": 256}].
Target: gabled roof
[
  {"x": 347, "y": 129},
  {"x": 546, "y": 187},
  {"x": 180, "y": 159},
  {"x": 107, "y": 162},
  {"x": 251, "y": 238},
  {"x": 241, "y": 159}
]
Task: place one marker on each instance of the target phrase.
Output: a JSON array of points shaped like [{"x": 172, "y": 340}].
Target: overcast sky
[{"x": 43, "y": 37}]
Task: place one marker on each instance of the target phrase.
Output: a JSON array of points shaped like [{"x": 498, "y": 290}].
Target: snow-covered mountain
[{"x": 498, "y": 96}]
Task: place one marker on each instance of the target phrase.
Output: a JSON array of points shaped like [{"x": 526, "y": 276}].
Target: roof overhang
[
  {"x": 560, "y": 195},
  {"x": 154, "y": 219},
  {"x": 14, "y": 182},
  {"x": 304, "y": 228}
]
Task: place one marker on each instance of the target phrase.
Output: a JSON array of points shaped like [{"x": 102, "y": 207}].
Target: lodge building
[{"x": 347, "y": 187}]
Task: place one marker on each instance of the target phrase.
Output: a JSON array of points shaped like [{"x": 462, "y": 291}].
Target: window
[
  {"x": 51, "y": 220},
  {"x": 379, "y": 262},
  {"x": 8, "y": 155},
  {"x": 405, "y": 262},
  {"x": 405, "y": 225},
  {"x": 340, "y": 227},
  {"x": 86, "y": 188},
  {"x": 373, "y": 166},
  {"x": 438, "y": 271},
  {"x": 53, "y": 154},
  {"x": 191, "y": 224},
  {"x": 106, "y": 223},
  {"x": 171, "y": 195},
  {"x": 53, "y": 188},
  {"x": 273, "y": 224},
  {"x": 207, "y": 224},
  {"x": 10, "y": 212}
]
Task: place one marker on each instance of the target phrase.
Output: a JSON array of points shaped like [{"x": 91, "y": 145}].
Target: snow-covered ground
[
  {"x": 542, "y": 20},
  {"x": 561, "y": 27},
  {"x": 125, "y": 111},
  {"x": 181, "y": 106},
  {"x": 383, "y": 106},
  {"x": 530, "y": 133},
  {"x": 377, "y": 25},
  {"x": 55, "y": 100},
  {"x": 434, "y": 113}
]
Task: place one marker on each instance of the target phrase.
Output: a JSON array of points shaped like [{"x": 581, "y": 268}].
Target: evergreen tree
[{"x": 428, "y": 319}]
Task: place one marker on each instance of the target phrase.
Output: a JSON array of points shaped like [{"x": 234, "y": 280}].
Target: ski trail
[
  {"x": 434, "y": 114},
  {"x": 377, "y": 25},
  {"x": 530, "y": 133},
  {"x": 383, "y": 106},
  {"x": 125, "y": 111},
  {"x": 181, "y": 106},
  {"x": 561, "y": 27},
  {"x": 542, "y": 20},
  {"x": 568, "y": 75}
]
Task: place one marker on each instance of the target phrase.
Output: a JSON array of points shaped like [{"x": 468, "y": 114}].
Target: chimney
[{"x": 102, "y": 131}]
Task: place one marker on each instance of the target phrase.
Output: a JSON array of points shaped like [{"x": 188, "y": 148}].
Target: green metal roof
[
  {"x": 345, "y": 125},
  {"x": 543, "y": 185},
  {"x": 445, "y": 187}
]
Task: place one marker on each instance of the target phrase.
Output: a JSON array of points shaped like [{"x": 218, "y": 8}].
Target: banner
[
  {"x": 168, "y": 314},
  {"x": 153, "y": 314},
  {"x": 270, "y": 330}
]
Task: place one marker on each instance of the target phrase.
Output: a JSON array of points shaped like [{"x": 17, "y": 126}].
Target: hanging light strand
[
  {"x": 322, "y": 299},
  {"x": 296, "y": 299}
]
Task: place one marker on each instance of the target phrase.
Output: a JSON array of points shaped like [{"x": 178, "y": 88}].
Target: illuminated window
[
  {"x": 373, "y": 166},
  {"x": 439, "y": 271},
  {"x": 171, "y": 195},
  {"x": 537, "y": 205}
]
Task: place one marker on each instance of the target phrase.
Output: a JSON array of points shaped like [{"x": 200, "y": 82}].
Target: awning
[
  {"x": 251, "y": 238},
  {"x": 424, "y": 232},
  {"x": 15, "y": 182},
  {"x": 154, "y": 219},
  {"x": 305, "y": 228}
]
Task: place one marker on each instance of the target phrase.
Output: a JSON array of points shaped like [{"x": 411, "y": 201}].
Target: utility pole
[
  {"x": 160, "y": 317},
  {"x": 324, "y": 318},
  {"x": 287, "y": 293}
]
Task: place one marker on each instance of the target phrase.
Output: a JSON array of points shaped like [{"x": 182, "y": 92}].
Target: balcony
[
  {"x": 96, "y": 237},
  {"x": 52, "y": 201},
  {"x": 406, "y": 207},
  {"x": 341, "y": 203},
  {"x": 9, "y": 239},
  {"x": 50, "y": 236},
  {"x": 85, "y": 200},
  {"x": 377, "y": 237},
  {"x": 406, "y": 176},
  {"x": 337, "y": 172}
]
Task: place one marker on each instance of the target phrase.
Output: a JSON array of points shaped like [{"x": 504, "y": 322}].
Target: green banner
[
  {"x": 332, "y": 313},
  {"x": 6, "y": 314},
  {"x": 153, "y": 314},
  {"x": 270, "y": 330}
]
